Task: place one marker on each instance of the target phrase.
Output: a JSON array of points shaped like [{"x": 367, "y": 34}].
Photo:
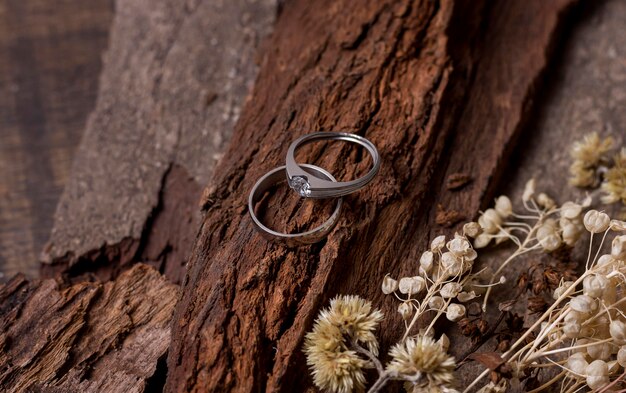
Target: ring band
[
  {"x": 311, "y": 186},
  {"x": 312, "y": 236}
]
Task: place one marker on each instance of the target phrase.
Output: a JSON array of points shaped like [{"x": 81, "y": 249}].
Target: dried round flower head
[
  {"x": 490, "y": 221},
  {"x": 621, "y": 356},
  {"x": 425, "y": 360},
  {"x": 438, "y": 243},
  {"x": 451, "y": 290},
  {"x": 617, "y": 329},
  {"x": 548, "y": 237},
  {"x": 472, "y": 229},
  {"x": 595, "y": 285},
  {"x": 504, "y": 207},
  {"x": 618, "y": 248},
  {"x": 614, "y": 185},
  {"x": 335, "y": 366},
  {"x": 577, "y": 363},
  {"x": 426, "y": 262},
  {"x": 571, "y": 210},
  {"x": 618, "y": 226},
  {"x": 389, "y": 285},
  {"x": 583, "y": 303},
  {"x": 455, "y": 312},
  {"x": 597, "y": 374},
  {"x": 405, "y": 310},
  {"x": 412, "y": 285},
  {"x": 529, "y": 190},
  {"x": 545, "y": 201},
  {"x": 596, "y": 222},
  {"x": 482, "y": 240}
]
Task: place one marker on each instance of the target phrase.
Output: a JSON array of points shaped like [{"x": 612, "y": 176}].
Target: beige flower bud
[
  {"x": 595, "y": 285},
  {"x": 618, "y": 247},
  {"x": 548, "y": 237},
  {"x": 466, "y": 296},
  {"x": 571, "y": 329},
  {"x": 504, "y": 207},
  {"x": 389, "y": 285},
  {"x": 583, "y": 303},
  {"x": 472, "y": 229},
  {"x": 405, "y": 310},
  {"x": 451, "y": 290},
  {"x": 489, "y": 221},
  {"x": 459, "y": 246},
  {"x": 596, "y": 222},
  {"x": 618, "y": 226},
  {"x": 597, "y": 374},
  {"x": 529, "y": 190},
  {"x": 482, "y": 240},
  {"x": 545, "y": 201},
  {"x": 438, "y": 243},
  {"x": 621, "y": 356},
  {"x": 436, "y": 303},
  {"x": 426, "y": 261},
  {"x": 577, "y": 363},
  {"x": 599, "y": 351},
  {"x": 412, "y": 285},
  {"x": 455, "y": 312},
  {"x": 561, "y": 289},
  {"x": 571, "y": 210},
  {"x": 617, "y": 329}
]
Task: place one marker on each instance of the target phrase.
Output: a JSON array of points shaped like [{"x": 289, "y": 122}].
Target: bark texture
[
  {"x": 442, "y": 88},
  {"x": 85, "y": 338},
  {"x": 175, "y": 76}
]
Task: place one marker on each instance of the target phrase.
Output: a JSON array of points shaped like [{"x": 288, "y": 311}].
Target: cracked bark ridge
[
  {"x": 405, "y": 74},
  {"x": 86, "y": 338},
  {"x": 174, "y": 78}
]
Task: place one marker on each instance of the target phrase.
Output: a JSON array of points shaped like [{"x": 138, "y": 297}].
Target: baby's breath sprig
[{"x": 584, "y": 331}]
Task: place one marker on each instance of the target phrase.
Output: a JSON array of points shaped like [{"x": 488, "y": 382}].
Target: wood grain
[
  {"x": 439, "y": 87},
  {"x": 49, "y": 66}
]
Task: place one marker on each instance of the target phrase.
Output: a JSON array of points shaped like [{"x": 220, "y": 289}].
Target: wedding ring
[
  {"x": 310, "y": 185},
  {"x": 314, "y": 235}
]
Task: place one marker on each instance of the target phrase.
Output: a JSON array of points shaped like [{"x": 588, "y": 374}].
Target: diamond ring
[
  {"x": 309, "y": 185},
  {"x": 314, "y": 235}
]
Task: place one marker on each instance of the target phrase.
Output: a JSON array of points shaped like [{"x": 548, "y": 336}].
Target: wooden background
[{"x": 501, "y": 97}]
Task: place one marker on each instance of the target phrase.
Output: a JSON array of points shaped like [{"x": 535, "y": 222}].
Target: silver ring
[
  {"x": 310, "y": 186},
  {"x": 314, "y": 235}
]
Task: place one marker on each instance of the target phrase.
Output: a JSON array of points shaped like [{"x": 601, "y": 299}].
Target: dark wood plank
[{"x": 50, "y": 59}]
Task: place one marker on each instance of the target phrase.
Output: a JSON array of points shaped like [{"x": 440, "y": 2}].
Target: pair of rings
[{"x": 310, "y": 181}]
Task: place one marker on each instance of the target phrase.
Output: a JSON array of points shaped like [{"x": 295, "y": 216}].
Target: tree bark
[
  {"x": 175, "y": 76},
  {"x": 442, "y": 88},
  {"x": 88, "y": 337}
]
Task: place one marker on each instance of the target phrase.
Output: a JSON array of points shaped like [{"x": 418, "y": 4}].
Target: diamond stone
[{"x": 300, "y": 185}]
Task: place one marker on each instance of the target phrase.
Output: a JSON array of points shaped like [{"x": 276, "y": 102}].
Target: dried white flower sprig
[
  {"x": 584, "y": 331},
  {"x": 342, "y": 345},
  {"x": 543, "y": 226}
]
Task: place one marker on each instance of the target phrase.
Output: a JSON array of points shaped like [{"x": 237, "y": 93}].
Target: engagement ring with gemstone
[{"x": 308, "y": 185}]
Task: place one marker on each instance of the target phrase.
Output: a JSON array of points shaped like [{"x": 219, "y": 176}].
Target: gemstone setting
[{"x": 300, "y": 185}]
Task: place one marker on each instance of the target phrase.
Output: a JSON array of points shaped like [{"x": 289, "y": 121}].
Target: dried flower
[
  {"x": 597, "y": 374},
  {"x": 455, "y": 312},
  {"x": 614, "y": 185},
  {"x": 389, "y": 285},
  {"x": 405, "y": 310},
  {"x": 618, "y": 247},
  {"x": 529, "y": 190},
  {"x": 596, "y": 222},
  {"x": 425, "y": 361},
  {"x": 503, "y": 206},
  {"x": 335, "y": 365},
  {"x": 412, "y": 285},
  {"x": 587, "y": 155}
]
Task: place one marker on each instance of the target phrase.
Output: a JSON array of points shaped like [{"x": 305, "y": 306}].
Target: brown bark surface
[
  {"x": 441, "y": 88},
  {"x": 49, "y": 66},
  {"x": 175, "y": 76},
  {"x": 86, "y": 338}
]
